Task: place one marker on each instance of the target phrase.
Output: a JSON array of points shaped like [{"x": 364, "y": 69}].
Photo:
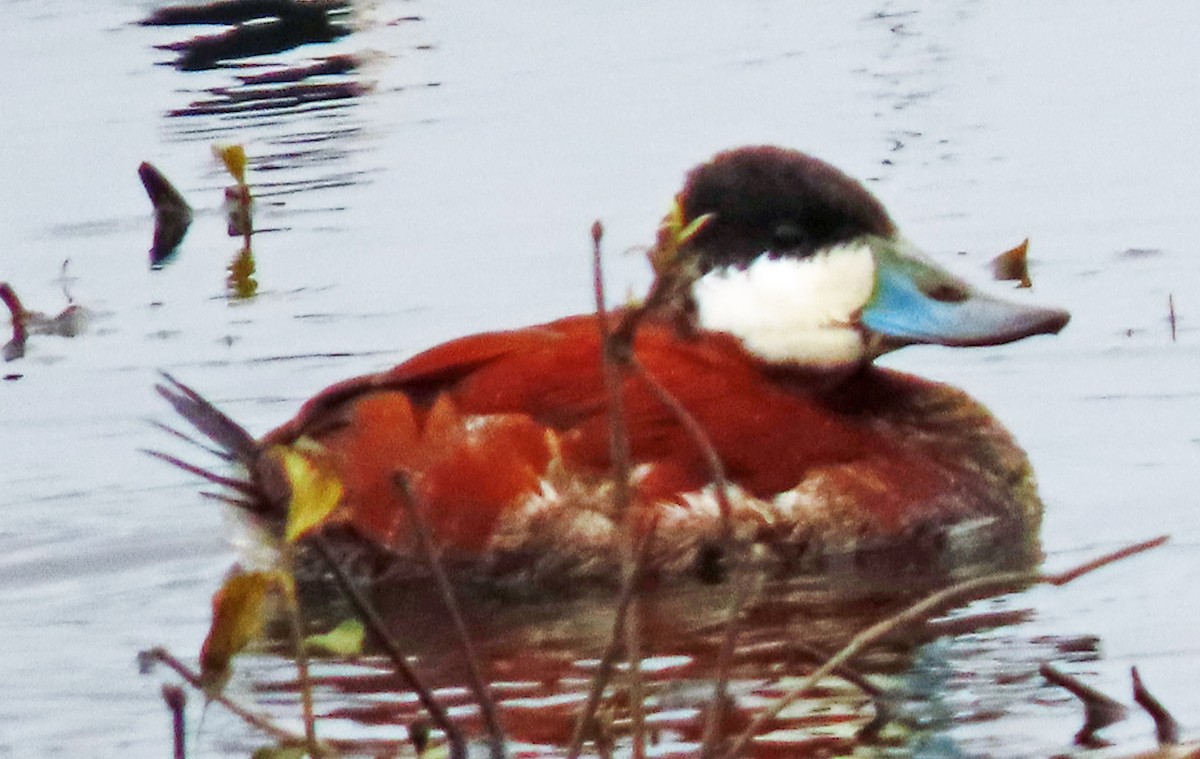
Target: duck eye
[
  {"x": 788, "y": 235},
  {"x": 946, "y": 293}
]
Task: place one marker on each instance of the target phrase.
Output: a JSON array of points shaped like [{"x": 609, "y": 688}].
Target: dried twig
[
  {"x": 880, "y": 698},
  {"x": 609, "y": 658},
  {"x": 1062, "y": 578},
  {"x": 715, "y": 466},
  {"x": 616, "y": 355},
  {"x": 746, "y": 588},
  {"x": 664, "y": 294},
  {"x": 487, "y": 705},
  {"x": 155, "y": 655},
  {"x": 373, "y": 622},
  {"x": 979, "y": 587},
  {"x": 1099, "y": 710},
  {"x": 674, "y": 274},
  {"x": 176, "y": 699},
  {"x": 14, "y": 348},
  {"x": 296, "y": 622},
  {"x": 1165, "y": 726},
  {"x": 620, "y": 361}
]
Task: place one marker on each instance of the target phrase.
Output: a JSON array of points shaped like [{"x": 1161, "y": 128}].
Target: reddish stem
[{"x": 20, "y": 317}]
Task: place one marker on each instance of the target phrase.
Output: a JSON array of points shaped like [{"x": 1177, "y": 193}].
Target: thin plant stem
[
  {"x": 744, "y": 589},
  {"x": 1166, "y": 728},
  {"x": 1062, "y": 578},
  {"x": 14, "y": 348},
  {"x": 800, "y": 649},
  {"x": 978, "y": 587},
  {"x": 296, "y": 621},
  {"x": 176, "y": 700},
  {"x": 716, "y": 468},
  {"x": 609, "y": 658},
  {"x": 660, "y": 295},
  {"x": 616, "y": 355},
  {"x": 371, "y": 619},
  {"x": 633, "y": 645},
  {"x": 487, "y": 704},
  {"x": 1099, "y": 710},
  {"x": 253, "y": 719},
  {"x": 1171, "y": 315}
]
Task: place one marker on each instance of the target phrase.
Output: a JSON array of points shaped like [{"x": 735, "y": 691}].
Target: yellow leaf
[
  {"x": 239, "y": 613},
  {"x": 673, "y": 234},
  {"x": 234, "y": 158},
  {"x": 344, "y": 640},
  {"x": 316, "y": 489}
]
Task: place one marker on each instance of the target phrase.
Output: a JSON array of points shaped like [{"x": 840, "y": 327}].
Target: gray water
[{"x": 447, "y": 184}]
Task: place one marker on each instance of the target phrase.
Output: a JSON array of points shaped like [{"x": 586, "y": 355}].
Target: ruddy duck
[{"x": 799, "y": 280}]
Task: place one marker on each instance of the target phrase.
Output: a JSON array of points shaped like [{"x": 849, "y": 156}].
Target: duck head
[{"x": 803, "y": 265}]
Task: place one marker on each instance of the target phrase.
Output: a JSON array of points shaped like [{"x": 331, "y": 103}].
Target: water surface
[{"x": 435, "y": 171}]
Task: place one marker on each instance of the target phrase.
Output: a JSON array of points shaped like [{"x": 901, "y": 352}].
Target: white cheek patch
[{"x": 789, "y": 310}]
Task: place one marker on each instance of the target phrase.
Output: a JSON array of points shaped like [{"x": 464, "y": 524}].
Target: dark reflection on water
[
  {"x": 287, "y": 88},
  {"x": 256, "y": 27},
  {"x": 902, "y": 696}
]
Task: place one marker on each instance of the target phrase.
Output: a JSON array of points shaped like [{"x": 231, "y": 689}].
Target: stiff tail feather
[
  {"x": 237, "y": 444},
  {"x": 233, "y": 444}
]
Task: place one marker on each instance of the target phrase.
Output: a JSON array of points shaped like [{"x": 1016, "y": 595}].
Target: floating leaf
[
  {"x": 316, "y": 489},
  {"x": 239, "y": 614},
  {"x": 1013, "y": 265},
  {"x": 234, "y": 158},
  {"x": 344, "y": 640}
]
